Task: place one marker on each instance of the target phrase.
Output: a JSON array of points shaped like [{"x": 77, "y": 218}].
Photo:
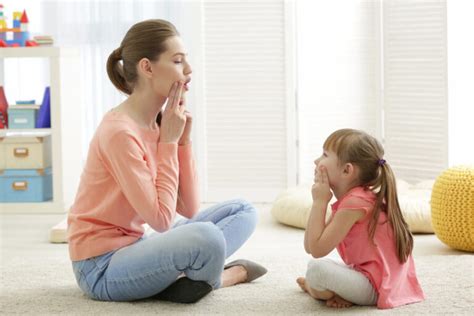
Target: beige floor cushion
[
  {"x": 415, "y": 206},
  {"x": 292, "y": 206},
  {"x": 58, "y": 233}
]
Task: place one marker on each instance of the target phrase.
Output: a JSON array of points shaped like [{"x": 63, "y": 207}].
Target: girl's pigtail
[{"x": 387, "y": 201}]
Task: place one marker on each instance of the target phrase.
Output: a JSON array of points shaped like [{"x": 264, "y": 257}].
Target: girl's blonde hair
[{"x": 366, "y": 152}]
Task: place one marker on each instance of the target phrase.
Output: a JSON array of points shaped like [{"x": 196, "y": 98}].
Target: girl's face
[
  {"x": 329, "y": 160},
  {"x": 171, "y": 66}
]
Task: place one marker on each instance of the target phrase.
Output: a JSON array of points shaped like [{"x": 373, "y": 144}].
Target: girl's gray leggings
[{"x": 351, "y": 285}]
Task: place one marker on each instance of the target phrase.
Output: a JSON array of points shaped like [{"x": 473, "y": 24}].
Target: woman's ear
[{"x": 144, "y": 67}]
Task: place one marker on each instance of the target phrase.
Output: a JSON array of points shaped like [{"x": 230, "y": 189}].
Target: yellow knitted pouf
[{"x": 452, "y": 207}]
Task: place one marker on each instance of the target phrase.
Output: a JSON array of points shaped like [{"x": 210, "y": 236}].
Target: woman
[{"x": 140, "y": 169}]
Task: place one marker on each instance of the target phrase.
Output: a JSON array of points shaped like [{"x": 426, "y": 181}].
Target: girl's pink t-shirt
[
  {"x": 129, "y": 179},
  {"x": 396, "y": 283}
]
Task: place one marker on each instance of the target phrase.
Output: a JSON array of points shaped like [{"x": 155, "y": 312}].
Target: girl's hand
[
  {"x": 174, "y": 118},
  {"x": 186, "y": 136},
  {"x": 321, "y": 191}
]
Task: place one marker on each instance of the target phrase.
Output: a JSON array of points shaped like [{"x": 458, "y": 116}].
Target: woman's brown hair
[
  {"x": 366, "y": 152},
  {"x": 146, "y": 39}
]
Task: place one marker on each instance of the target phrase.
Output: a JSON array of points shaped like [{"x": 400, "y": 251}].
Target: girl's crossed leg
[{"x": 337, "y": 284}]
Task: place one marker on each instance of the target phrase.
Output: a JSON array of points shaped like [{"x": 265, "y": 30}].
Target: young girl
[
  {"x": 366, "y": 227},
  {"x": 140, "y": 169}
]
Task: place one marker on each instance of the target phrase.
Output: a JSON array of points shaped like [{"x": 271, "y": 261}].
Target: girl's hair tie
[{"x": 381, "y": 162}]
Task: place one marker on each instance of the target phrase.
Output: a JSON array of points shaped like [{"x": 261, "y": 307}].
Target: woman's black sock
[{"x": 185, "y": 290}]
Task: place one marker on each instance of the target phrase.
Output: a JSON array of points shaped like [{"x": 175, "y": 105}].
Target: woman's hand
[
  {"x": 186, "y": 136},
  {"x": 321, "y": 191},
  {"x": 174, "y": 117}
]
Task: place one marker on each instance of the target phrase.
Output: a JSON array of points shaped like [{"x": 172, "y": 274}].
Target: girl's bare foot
[
  {"x": 319, "y": 295},
  {"x": 338, "y": 302},
  {"x": 302, "y": 283}
]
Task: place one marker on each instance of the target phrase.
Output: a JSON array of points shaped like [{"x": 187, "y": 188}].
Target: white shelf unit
[{"x": 53, "y": 55}]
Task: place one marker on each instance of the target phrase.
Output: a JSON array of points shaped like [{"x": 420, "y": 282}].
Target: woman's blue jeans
[{"x": 196, "y": 247}]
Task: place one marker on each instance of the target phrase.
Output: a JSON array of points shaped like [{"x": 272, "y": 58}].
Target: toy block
[
  {"x": 3, "y": 121},
  {"x": 20, "y": 30},
  {"x": 31, "y": 43},
  {"x": 3, "y": 109},
  {"x": 24, "y": 17},
  {"x": 44, "y": 115}
]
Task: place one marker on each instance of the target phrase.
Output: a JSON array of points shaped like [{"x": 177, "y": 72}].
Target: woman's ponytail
[{"x": 115, "y": 71}]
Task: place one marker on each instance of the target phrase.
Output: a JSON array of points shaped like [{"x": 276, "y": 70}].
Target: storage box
[
  {"x": 25, "y": 152},
  {"x": 22, "y": 116},
  {"x": 28, "y": 185}
]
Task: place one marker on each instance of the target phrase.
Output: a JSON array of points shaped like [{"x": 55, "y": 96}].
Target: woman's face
[{"x": 171, "y": 66}]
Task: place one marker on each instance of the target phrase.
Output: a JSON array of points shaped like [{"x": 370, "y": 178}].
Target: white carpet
[{"x": 36, "y": 277}]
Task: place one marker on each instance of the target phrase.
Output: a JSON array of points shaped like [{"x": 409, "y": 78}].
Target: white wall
[{"x": 461, "y": 81}]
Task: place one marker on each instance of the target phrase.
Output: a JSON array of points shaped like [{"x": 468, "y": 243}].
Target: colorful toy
[
  {"x": 19, "y": 30},
  {"x": 44, "y": 115},
  {"x": 3, "y": 109}
]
